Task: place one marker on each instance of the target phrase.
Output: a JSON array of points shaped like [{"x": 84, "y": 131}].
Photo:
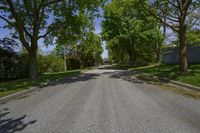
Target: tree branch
[
  {"x": 51, "y": 2},
  {"x": 27, "y": 8},
  {"x": 12, "y": 9},
  {"x": 171, "y": 19},
  {"x": 186, "y": 6},
  {"x": 6, "y": 20},
  {"x": 172, "y": 4},
  {"x": 28, "y": 33},
  {"x": 44, "y": 35},
  {"x": 19, "y": 25},
  {"x": 151, "y": 12}
]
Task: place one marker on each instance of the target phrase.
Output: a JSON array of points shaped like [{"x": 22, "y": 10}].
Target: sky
[
  {"x": 5, "y": 33},
  {"x": 98, "y": 31}
]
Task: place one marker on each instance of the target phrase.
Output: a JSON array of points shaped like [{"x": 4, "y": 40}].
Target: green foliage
[
  {"x": 30, "y": 22},
  {"x": 15, "y": 65},
  {"x": 171, "y": 72},
  {"x": 193, "y": 37},
  {"x": 50, "y": 63},
  {"x": 10, "y": 87},
  {"x": 179, "y": 16},
  {"x": 77, "y": 36},
  {"x": 72, "y": 16},
  {"x": 46, "y": 19},
  {"x": 87, "y": 51},
  {"x": 90, "y": 50},
  {"x": 131, "y": 35},
  {"x": 73, "y": 63},
  {"x": 12, "y": 64}
]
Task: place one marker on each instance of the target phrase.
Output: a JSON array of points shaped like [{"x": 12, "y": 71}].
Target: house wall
[{"x": 172, "y": 56}]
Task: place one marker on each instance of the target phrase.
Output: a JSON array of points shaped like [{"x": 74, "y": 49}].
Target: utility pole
[{"x": 65, "y": 59}]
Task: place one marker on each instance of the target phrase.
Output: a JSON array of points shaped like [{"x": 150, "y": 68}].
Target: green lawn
[
  {"x": 172, "y": 72},
  {"x": 14, "y": 86}
]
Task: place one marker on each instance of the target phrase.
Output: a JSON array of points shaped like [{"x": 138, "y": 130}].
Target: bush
[
  {"x": 49, "y": 63},
  {"x": 73, "y": 63}
]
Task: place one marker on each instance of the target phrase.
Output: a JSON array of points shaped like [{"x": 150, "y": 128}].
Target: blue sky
[
  {"x": 98, "y": 30},
  {"x": 5, "y": 33}
]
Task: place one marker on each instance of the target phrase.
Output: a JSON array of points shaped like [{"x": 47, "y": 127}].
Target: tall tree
[
  {"x": 74, "y": 16},
  {"x": 30, "y": 21},
  {"x": 174, "y": 14},
  {"x": 126, "y": 28},
  {"x": 90, "y": 49}
]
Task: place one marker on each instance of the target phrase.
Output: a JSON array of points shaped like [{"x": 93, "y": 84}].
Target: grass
[
  {"x": 172, "y": 72},
  {"x": 10, "y": 87}
]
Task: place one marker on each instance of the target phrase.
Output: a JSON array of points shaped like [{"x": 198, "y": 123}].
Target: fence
[
  {"x": 172, "y": 56},
  {"x": 13, "y": 66}
]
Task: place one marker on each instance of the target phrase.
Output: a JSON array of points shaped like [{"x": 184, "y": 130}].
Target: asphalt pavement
[{"x": 102, "y": 100}]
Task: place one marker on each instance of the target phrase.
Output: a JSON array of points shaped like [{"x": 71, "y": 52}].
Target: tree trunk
[
  {"x": 183, "y": 64},
  {"x": 32, "y": 65},
  {"x": 130, "y": 51},
  {"x": 65, "y": 59},
  {"x": 157, "y": 53},
  {"x": 131, "y": 59},
  {"x": 164, "y": 27}
]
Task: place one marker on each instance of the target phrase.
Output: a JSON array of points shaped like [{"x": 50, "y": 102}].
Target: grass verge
[
  {"x": 10, "y": 87},
  {"x": 172, "y": 72},
  {"x": 175, "y": 89}
]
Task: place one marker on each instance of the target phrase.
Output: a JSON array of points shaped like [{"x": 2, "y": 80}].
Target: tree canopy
[
  {"x": 45, "y": 19},
  {"x": 179, "y": 15},
  {"x": 130, "y": 33}
]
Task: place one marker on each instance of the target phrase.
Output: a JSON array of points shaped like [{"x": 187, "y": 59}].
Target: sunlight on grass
[
  {"x": 10, "y": 87},
  {"x": 172, "y": 72}
]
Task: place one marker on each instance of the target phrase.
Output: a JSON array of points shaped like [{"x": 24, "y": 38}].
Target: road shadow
[
  {"x": 72, "y": 79},
  {"x": 112, "y": 67},
  {"x": 149, "y": 78},
  {"x": 12, "y": 125},
  {"x": 124, "y": 75}
]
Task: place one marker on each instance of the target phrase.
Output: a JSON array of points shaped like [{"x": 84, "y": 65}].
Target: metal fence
[
  {"x": 172, "y": 56},
  {"x": 13, "y": 67}
]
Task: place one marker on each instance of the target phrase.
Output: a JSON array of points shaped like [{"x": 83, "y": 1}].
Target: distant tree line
[
  {"x": 15, "y": 65},
  {"x": 132, "y": 28},
  {"x": 132, "y": 36}
]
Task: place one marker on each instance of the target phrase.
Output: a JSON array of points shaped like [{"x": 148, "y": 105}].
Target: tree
[
  {"x": 73, "y": 17},
  {"x": 49, "y": 63},
  {"x": 29, "y": 19},
  {"x": 126, "y": 28},
  {"x": 193, "y": 37},
  {"x": 174, "y": 14},
  {"x": 32, "y": 21},
  {"x": 89, "y": 49}
]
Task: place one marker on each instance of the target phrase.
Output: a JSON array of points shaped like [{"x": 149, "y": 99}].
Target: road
[{"x": 100, "y": 101}]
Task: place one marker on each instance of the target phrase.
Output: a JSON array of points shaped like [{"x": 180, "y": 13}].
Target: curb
[
  {"x": 187, "y": 86},
  {"x": 18, "y": 94},
  {"x": 24, "y": 92},
  {"x": 191, "y": 87}
]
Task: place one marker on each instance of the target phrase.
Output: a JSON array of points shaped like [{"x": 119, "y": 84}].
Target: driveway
[{"x": 103, "y": 100}]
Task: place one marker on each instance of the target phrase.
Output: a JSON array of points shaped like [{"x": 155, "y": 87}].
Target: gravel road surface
[{"x": 100, "y": 101}]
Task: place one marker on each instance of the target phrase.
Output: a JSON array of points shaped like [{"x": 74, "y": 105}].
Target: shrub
[
  {"x": 49, "y": 63},
  {"x": 73, "y": 63}
]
